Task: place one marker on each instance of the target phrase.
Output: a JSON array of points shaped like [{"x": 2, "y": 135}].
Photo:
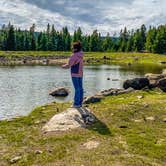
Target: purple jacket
[{"x": 76, "y": 64}]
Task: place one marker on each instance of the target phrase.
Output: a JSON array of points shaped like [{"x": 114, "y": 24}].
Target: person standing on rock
[{"x": 75, "y": 64}]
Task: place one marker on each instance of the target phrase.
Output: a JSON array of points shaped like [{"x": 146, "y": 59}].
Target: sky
[{"x": 103, "y": 15}]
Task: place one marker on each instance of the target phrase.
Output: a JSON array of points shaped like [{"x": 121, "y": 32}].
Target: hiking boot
[{"x": 76, "y": 106}]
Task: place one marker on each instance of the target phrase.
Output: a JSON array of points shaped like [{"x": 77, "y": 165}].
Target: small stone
[
  {"x": 160, "y": 141},
  {"x": 163, "y": 62},
  {"x": 61, "y": 123},
  {"x": 123, "y": 127},
  {"x": 151, "y": 118},
  {"x": 129, "y": 64},
  {"x": 37, "y": 122},
  {"x": 115, "y": 79},
  {"x": 50, "y": 150},
  {"x": 38, "y": 152},
  {"x": 164, "y": 71},
  {"x": 108, "y": 78},
  {"x": 91, "y": 145},
  {"x": 15, "y": 159},
  {"x": 164, "y": 120},
  {"x": 140, "y": 97},
  {"x": 138, "y": 120},
  {"x": 146, "y": 105}
]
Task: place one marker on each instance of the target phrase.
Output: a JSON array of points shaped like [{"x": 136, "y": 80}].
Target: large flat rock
[{"x": 70, "y": 119}]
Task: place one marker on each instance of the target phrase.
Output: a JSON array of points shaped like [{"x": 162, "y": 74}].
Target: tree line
[{"x": 139, "y": 40}]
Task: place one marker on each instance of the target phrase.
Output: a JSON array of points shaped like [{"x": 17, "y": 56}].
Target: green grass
[
  {"x": 94, "y": 57},
  {"x": 136, "y": 143},
  {"x": 33, "y": 53}
]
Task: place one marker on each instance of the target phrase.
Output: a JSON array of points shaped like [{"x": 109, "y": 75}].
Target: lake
[{"x": 22, "y": 88}]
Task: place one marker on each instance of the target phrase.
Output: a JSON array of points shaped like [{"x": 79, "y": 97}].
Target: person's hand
[{"x": 65, "y": 66}]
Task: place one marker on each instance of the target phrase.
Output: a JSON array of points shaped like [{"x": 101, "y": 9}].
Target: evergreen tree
[
  {"x": 32, "y": 37},
  {"x": 137, "y": 41},
  {"x": 150, "y": 39},
  {"x": 66, "y": 39},
  {"x": 60, "y": 46},
  {"x": 153, "y": 40},
  {"x": 10, "y": 45},
  {"x": 130, "y": 42},
  {"x": 85, "y": 42},
  {"x": 107, "y": 43},
  {"x": 123, "y": 40},
  {"x": 39, "y": 41},
  {"x": 53, "y": 46},
  {"x": 44, "y": 45},
  {"x": 94, "y": 41},
  {"x": 160, "y": 40},
  {"x": 27, "y": 41},
  {"x": 77, "y": 35},
  {"x": 143, "y": 36},
  {"x": 48, "y": 37}
]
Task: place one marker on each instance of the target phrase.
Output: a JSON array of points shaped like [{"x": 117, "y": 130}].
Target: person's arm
[
  {"x": 65, "y": 66},
  {"x": 70, "y": 63}
]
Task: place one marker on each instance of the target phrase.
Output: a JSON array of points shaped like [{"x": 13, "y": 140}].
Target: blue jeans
[{"x": 78, "y": 86}]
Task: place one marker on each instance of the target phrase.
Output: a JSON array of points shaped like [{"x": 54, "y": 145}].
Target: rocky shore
[
  {"x": 32, "y": 60},
  {"x": 46, "y": 60},
  {"x": 148, "y": 82}
]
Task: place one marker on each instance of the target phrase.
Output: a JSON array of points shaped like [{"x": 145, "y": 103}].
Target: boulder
[
  {"x": 61, "y": 91},
  {"x": 109, "y": 92},
  {"x": 153, "y": 83},
  {"x": 151, "y": 76},
  {"x": 154, "y": 79},
  {"x": 162, "y": 84},
  {"x": 136, "y": 83},
  {"x": 71, "y": 118},
  {"x": 106, "y": 58},
  {"x": 112, "y": 92},
  {"x": 93, "y": 99}
]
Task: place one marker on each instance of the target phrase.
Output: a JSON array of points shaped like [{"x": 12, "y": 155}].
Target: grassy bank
[
  {"x": 125, "y": 135},
  {"x": 90, "y": 57}
]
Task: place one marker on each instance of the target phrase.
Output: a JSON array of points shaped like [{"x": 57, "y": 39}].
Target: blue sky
[{"x": 104, "y": 15}]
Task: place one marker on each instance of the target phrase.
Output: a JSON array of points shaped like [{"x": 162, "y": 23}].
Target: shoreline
[{"x": 56, "y": 58}]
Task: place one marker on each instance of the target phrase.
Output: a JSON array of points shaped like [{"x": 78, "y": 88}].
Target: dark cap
[{"x": 77, "y": 46}]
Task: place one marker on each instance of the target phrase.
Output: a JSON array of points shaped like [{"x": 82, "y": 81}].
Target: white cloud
[
  {"x": 105, "y": 15},
  {"x": 24, "y": 15}
]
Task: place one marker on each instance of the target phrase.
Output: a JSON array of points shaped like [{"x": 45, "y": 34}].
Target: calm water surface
[{"x": 22, "y": 88}]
